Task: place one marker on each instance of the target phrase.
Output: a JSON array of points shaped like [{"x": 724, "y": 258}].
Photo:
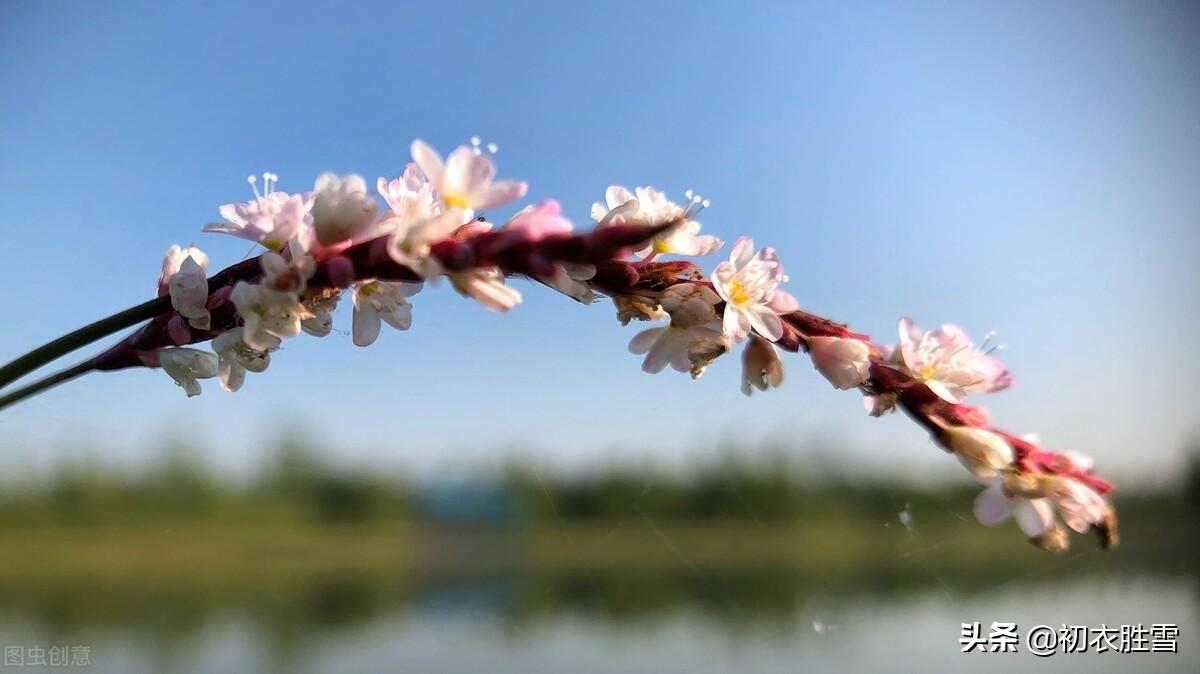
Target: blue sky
[{"x": 1027, "y": 168}]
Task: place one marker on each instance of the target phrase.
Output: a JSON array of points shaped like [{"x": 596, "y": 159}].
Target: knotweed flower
[
  {"x": 186, "y": 366},
  {"x": 982, "y": 452},
  {"x": 649, "y": 207},
  {"x": 748, "y": 283},
  {"x": 411, "y": 243},
  {"x": 486, "y": 286},
  {"x": 342, "y": 211},
  {"x": 691, "y": 341},
  {"x": 410, "y": 197},
  {"x": 272, "y": 218},
  {"x": 287, "y": 275},
  {"x": 378, "y": 302},
  {"x": 316, "y": 318},
  {"x": 1079, "y": 505},
  {"x": 761, "y": 366},
  {"x": 993, "y": 505},
  {"x": 324, "y": 242},
  {"x": 268, "y": 315},
  {"x": 464, "y": 181},
  {"x": 684, "y": 349},
  {"x": 846, "y": 363},
  {"x": 173, "y": 259},
  {"x": 948, "y": 363},
  {"x": 185, "y": 277},
  {"x": 235, "y": 358}
]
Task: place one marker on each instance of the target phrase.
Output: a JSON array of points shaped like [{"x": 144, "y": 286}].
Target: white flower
[
  {"x": 316, "y": 318},
  {"x": 761, "y": 366},
  {"x": 1080, "y": 505},
  {"x": 410, "y": 243},
  {"x": 569, "y": 280},
  {"x": 846, "y": 363},
  {"x": 649, "y": 207},
  {"x": 185, "y": 277},
  {"x": 684, "y": 349},
  {"x": 748, "y": 283},
  {"x": 268, "y": 315},
  {"x": 692, "y": 340},
  {"x": 271, "y": 218},
  {"x": 381, "y": 301},
  {"x": 235, "y": 358},
  {"x": 486, "y": 286},
  {"x": 342, "y": 210},
  {"x": 172, "y": 260},
  {"x": 410, "y": 197},
  {"x": 464, "y": 181},
  {"x": 948, "y": 363},
  {"x": 287, "y": 275},
  {"x": 983, "y": 453},
  {"x": 188, "y": 365},
  {"x": 994, "y": 505}
]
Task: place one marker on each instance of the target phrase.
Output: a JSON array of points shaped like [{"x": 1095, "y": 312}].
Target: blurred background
[{"x": 510, "y": 493}]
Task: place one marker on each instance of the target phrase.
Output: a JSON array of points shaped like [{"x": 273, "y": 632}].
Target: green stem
[
  {"x": 45, "y": 383},
  {"x": 82, "y": 337}
]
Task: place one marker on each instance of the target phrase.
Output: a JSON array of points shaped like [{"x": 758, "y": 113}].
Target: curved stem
[
  {"x": 46, "y": 382},
  {"x": 82, "y": 337}
]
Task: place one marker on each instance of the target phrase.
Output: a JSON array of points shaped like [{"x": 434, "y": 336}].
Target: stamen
[{"x": 252, "y": 180}]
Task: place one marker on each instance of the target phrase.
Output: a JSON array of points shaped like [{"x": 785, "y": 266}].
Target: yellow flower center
[
  {"x": 273, "y": 242},
  {"x": 661, "y": 247},
  {"x": 368, "y": 289},
  {"x": 927, "y": 372},
  {"x": 738, "y": 294},
  {"x": 455, "y": 201}
]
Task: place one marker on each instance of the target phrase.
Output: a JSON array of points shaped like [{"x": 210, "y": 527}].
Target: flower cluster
[{"x": 426, "y": 224}]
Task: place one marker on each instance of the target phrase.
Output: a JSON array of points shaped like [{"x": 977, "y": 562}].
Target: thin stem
[
  {"x": 46, "y": 382},
  {"x": 82, "y": 337}
]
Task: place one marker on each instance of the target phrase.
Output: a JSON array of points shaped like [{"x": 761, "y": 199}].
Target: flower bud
[
  {"x": 983, "y": 453},
  {"x": 845, "y": 363},
  {"x": 341, "y": 208},
  {"x": 761, "y": 366}
]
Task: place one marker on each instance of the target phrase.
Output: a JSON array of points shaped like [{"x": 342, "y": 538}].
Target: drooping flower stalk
[{"x": 321, "y": 243}]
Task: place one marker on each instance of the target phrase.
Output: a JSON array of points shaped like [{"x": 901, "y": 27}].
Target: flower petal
[{"x": 992, "y": 507}]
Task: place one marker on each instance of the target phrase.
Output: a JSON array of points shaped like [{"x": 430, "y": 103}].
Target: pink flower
[
  {"x": 748, "y": 283},
  {"x": 271, "y": 218},
  {"x": 410, "y": 197},
  {"x": 948, "y": 363},
  {"x": 1035, "y": 516},
  {"x": 846, "y": 363},
  {"x": 1079, "y": 505},
  {"x": 464, "y": 181},
  {"x": 648, "y": 207}
]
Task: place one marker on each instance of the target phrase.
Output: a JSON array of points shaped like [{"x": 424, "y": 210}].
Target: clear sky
[{"x": 1032, "y": 168}]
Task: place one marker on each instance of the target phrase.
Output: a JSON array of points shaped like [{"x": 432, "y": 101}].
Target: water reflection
[{"x": 684, "y": 618}]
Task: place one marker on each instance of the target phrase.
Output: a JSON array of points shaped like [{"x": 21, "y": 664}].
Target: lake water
[{"x": 621, "y": 622}]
